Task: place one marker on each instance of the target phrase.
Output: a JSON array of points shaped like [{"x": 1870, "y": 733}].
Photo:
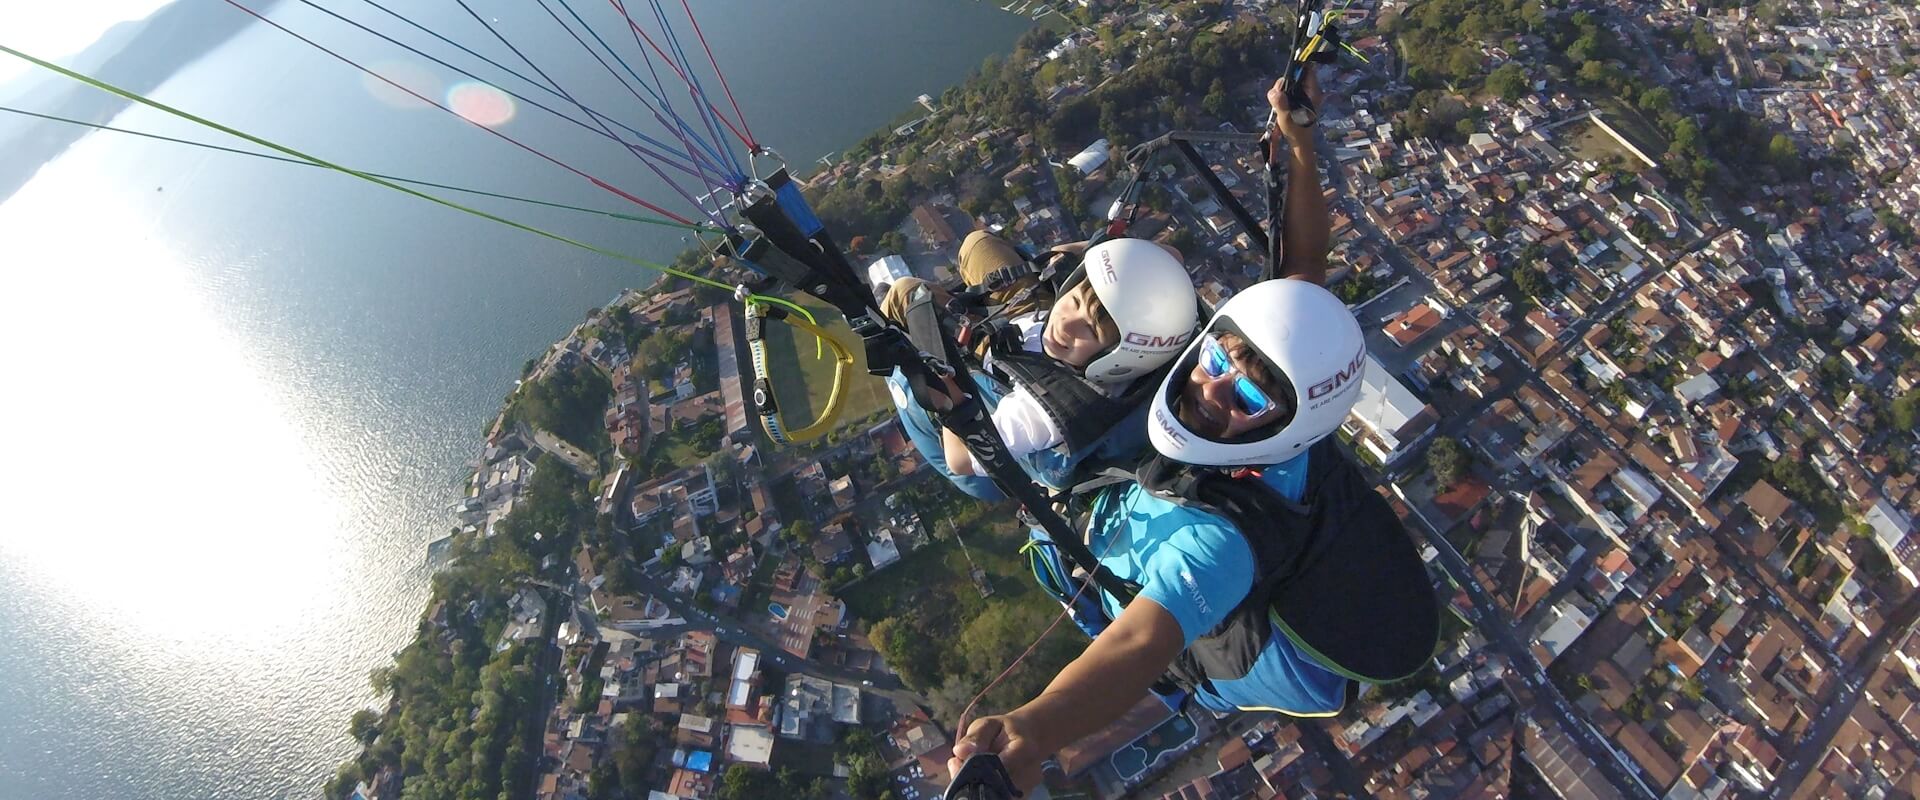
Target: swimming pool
[
  {"x": 778, "y": 611},
  {"x": 1143, "y": 753}
]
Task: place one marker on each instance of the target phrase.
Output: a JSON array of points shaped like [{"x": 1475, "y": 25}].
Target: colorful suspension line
[
  {"x": 624, "y": 194},
  {"x": 320, "y": 162},
  {"x": 720, "y": 179},
  {"x": 658, "y": 87},
  {"x": 668, "y": 158},
  {"x": 682, "y": 65},
  {"x": 752, "y": 143},
  {"x": 640, "y": 35},
  {"x": 395, "y": 179},
  {"x": 684, "y": 194},
  {"x": 688, "y": 137}
]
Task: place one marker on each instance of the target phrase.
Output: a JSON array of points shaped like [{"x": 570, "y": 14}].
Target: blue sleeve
[
  {"x": 926, "y": 438},
  {"x": 1198, "y": 572}
]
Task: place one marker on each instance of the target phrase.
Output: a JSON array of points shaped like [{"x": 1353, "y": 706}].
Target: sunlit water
[{"x": 241, "y": 395}]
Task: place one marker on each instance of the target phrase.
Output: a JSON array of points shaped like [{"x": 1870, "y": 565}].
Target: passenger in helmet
[
  {"x": 1094, "y": 339},
  {"x": 1273, "y": 373},
  {"x": 1132, "y": 311}
]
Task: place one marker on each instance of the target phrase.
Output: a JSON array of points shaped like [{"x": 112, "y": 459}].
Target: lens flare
[
  {"x": 414, "y": 77},
  {"x": 480, "y": 103}
]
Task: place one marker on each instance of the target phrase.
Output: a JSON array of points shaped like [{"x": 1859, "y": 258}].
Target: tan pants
[{"x": 981, "y": 255}]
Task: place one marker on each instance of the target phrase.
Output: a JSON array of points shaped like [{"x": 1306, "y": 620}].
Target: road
[
  {"x": 574, "y": 457},
  {"x": 1540, "y": 692},
  {"x": 1839, "y": 707}
]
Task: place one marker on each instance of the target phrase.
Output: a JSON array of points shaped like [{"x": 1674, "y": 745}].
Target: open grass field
[
  {"x": 803, "y": 382},
  {"x": 1634, "y": 125},
  {"x": 884, "y": 593},
  {"x": 1586, "y": 140}
]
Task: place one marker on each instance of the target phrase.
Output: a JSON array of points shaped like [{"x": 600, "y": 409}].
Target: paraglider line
[
  {"x": 394, "y": 178},
  {"x": 711, "y": 181},
  {"x": 752, "y": 143},
  {"x": 678, "y": 126},
  {"x": 1065, "y": 612},
  {"x": 669, "y": 158},
  {"x": 436, "y": 104},
  {"x": 684, "y": 66},
  {"x": 569, "y": 96},
  {"x": 317, "y": 161},
  {"x": 641, "y": 35}
]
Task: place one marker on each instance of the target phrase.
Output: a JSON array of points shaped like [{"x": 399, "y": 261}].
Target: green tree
[
  {"x": 910, "y": 652},
  {"x": 1448, "y": 459},
  {"x": 1464, "y": 63},
  {"x": 1784, "y": 155},
  {"x": 603, "y": 783},
  {"x": 1657, "y": 100},
  {"x": 1584, "y": 51},
  {"x": 1509, "y": 81},
  {"x": 1531, "y": 282},
  {"x": 1906, "y": 411},
  {"x": 365, "y": 725},
  {"x": 1217, "y": 103},
  {"x": 741, "y": 782}
]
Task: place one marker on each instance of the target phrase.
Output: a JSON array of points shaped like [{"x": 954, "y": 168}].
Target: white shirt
[{"x": 1023, "y": 425}]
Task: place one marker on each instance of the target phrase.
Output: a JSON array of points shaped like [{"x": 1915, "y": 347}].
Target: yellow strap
[{"x": 776, "y": 425}]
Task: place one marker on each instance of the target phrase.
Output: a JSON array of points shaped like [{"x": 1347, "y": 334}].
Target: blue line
[
  {"x": 707, "y": 112},
  {"x": 668, "y": 159},
  {"x": 706, "y": 179},
  {"x": 569, "y": 96},
  {"x": 657, "y": 88},
  {"x": 699, "y": 163}
]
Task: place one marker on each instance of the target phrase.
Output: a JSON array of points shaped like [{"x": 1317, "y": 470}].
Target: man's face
[
  {"x": 1077, "y": 330},
  {"x": 1211, "y": 406}
]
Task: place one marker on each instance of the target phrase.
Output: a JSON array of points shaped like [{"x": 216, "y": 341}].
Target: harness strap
[{"x": 922, "y": 356}]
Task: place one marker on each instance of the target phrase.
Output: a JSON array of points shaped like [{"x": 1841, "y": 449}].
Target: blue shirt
[{"x": 1199, "y": 567}]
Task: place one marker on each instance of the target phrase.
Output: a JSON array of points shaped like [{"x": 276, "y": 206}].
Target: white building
[
  {"x": 887, "y": 271},
  {"x": 1092, "y": 158},
  {"x": 1389, "y": 420}
]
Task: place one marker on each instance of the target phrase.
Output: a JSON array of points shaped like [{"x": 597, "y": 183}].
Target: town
[{"x": 1638, "y": 280}]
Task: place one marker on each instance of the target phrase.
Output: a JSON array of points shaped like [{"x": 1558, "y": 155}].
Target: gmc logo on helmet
[
  {"x": 1341, "y": 378},
  {"x": 1106, "y": 262},
  {"x": 1143, "y": 340},
  {"x": 1173, "y": 432}
]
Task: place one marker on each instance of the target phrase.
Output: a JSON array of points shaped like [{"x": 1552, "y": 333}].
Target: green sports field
[{"x": 803, "y": 382}]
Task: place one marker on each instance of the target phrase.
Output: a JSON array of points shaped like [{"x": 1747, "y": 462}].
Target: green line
[
  {"x": 316, "y": 161},
  {"x": 237, "y": 151}
]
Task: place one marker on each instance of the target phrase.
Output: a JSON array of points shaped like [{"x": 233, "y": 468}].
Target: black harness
[{"x": 1291, "y": 541}]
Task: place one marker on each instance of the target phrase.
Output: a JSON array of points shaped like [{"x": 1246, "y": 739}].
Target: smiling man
[{"x": 1272, "y": 586}]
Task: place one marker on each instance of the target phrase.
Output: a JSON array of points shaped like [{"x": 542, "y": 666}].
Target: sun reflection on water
[{"x": 162, "y": 485}]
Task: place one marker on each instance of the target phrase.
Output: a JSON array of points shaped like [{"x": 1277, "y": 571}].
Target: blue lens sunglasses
[{"x": 1214, "y": 361}]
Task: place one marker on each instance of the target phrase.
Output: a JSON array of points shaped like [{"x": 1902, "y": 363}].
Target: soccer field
[{"x": 803, "y": 382}]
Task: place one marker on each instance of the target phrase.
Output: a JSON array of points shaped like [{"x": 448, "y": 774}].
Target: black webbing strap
[
  {"x": 1219, "y": 190},
  {"x": 832, "y": 278},
  {"x": 1276, "y": 201},
  {"x": 1266, "y": 239},
  {"x": 969, "y": 421}
]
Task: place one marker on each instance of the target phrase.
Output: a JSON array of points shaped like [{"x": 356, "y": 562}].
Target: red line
[
  {"x": 960, "y": 730},
  {"x": 717, "y": 73},
  {"x": 637, "y": 31},
  {"x": 429, "y": 101}
]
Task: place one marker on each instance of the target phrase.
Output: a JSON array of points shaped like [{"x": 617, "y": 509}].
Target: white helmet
[
  {"x": 1149, "y": 296},
  {"x": 1315, "y": 350}
]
